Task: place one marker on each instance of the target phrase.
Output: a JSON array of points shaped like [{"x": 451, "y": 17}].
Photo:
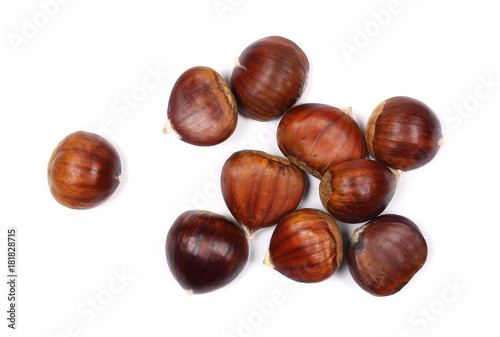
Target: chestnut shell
[
  {"x": 403, "y": 133},
  {"x": 317, "y": 136},
  {"x": 205, "y": 251},
  {"x": 259, "y": 188},
  {"x": 269, "y": 78},
  {"x": 306, "y": 246},
  {"x": 83, "y": 171},
  {"x": 201, "y": 109},
  {"x": 357, "y": 190},
  {"x": 384, "y": 254}
]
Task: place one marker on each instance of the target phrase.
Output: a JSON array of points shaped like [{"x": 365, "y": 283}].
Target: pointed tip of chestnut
[
  {"x": 267, "y": 260},
  {"x": 168, "y": 129},
  {"x": 403, "y": 133}
]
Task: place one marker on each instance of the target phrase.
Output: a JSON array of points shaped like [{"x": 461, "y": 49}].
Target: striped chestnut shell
[
  {"x": 403, "y": 133},
  {"x": 306, "y": 246},
  {"x": 259, "y": 188},
  {"x": 384, "y": 254},
  {"x": 205, "y": 251},
  {"x": 317, "y": 136},
  {"x": 201, "y": 109},
  {"x": 357, "y": 190},
  {"x": 84, "y": 170},
  {"x": 269, "y": 77}
]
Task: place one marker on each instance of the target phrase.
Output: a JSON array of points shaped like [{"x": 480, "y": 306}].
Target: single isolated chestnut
[
  {"x": 403, "y": 133},
  {"x": 385, "y": 253},
  {"x": 269, "y": 77},
  {"x": 357, "y": 190},
  {"x": 205, "y": 251},
  {"x": 259, "y": 188},
  {"x": 201, "y": 109},
  {"x": 306, "y": 246},
  {"x": 84, "y": 170},
  {"x": 316, "y": 136}
]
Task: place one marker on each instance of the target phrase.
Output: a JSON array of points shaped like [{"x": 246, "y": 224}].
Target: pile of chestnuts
[
  {"x": 357, "y": 169},
  {"x": 262, "y": 190}
]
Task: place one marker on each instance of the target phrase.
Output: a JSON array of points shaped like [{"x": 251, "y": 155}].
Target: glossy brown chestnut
[
  {"x": 84, "y": 170},
  {"x": 385, "y": 253},
  {"x": 259, "y": 188},
  {"x": 403, "y": 133},
  {"x": 316, "y": 136},
  {"x": 205, "y": 251},
  {"x": 201, "y": 109},
  {"x": 357, "y": 190},
  {"x": 306, "y": 246},
  {"x": 269, "y": 77}
]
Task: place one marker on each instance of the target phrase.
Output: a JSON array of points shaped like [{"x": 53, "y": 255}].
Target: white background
[{"x": 74, "y": 69}]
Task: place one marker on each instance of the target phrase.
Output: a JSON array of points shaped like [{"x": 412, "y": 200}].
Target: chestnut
[
  {"x": 201, "y": 109},
  {"x": 306, "y": 246},
  {"x": 269, "y": 77},
  {"x": 84, "y": 170},
  {"x": 316, "y": 136},
  {"x": 403, "y": 133},
  {"x": 385, "y": 253},
  {"x": 357, "y": 190},
  {"x": 205, "y": 251},
  {"x": 259, "y": 188}
]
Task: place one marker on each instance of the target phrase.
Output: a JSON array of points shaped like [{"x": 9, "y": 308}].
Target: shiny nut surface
[
  {"x": 317, "y": 136},
  {"x": 259, "y": 188},
  {"x": 306, "y": 246},
  {"x": 357, "y": 190},
  {"x": 384, "y": 254},
  {"x": 205, "y": 251},
  {"x": 403, "y": 133},
  {"x": 269, "y": 77},
  {"x": 201, "y": 109},
  {"x": 83, "y": 171}
]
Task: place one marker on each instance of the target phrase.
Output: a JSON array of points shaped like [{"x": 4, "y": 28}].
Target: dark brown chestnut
[
  {"x": 205, "y": 251},
  {"x": 269, "y": 77},
  {"x": 84, "y": 170},
  {"x": 259, "y": 188},
  {"x": 201, "y": 109},
  {"x": 306, "y": 246},
  {"x": 316, "y": 136},
  {"x": 385, "y": 253},
  {"x": 357, "y": 190},
  {"x": 403, "y": 133}
]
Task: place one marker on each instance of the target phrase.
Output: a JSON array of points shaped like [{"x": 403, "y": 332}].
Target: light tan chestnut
[
  {"x": 259, "y": 188},
  {"x": 306, "y": 246},
  {"x": 84, "y": 170},
  {"x": 201, "y": 109}
]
